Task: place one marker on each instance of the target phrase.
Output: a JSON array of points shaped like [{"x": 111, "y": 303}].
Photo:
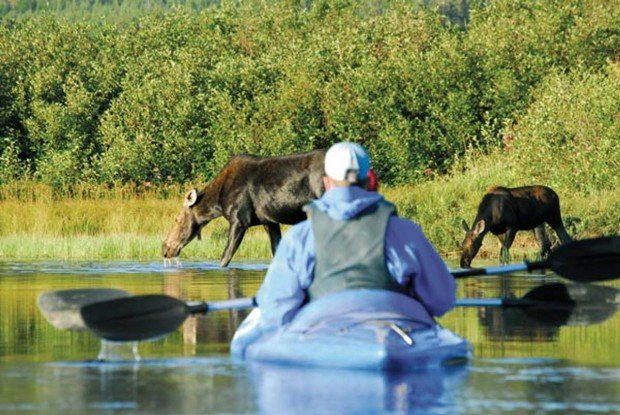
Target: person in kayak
[{"x": 352, "y": 240}]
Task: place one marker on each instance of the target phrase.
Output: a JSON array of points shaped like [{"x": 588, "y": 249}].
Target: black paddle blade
[
  {"x": 62, "y": 308},
  {"x": 135, "y": 318},
  {"x": 588, "y": 260},
  {"x": 572, "y": 305}
]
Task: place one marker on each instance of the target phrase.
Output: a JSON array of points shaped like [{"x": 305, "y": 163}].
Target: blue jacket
[{"x": 411, "y": 260}]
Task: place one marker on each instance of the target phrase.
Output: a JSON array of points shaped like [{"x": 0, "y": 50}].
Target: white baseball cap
[{"x": 347, "y": 161}]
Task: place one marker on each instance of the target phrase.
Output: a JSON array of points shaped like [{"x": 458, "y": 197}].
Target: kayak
[{"x": 357, "y": 329}]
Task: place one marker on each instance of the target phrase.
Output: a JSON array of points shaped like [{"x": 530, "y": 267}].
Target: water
[{"x": 519, "y": 368}]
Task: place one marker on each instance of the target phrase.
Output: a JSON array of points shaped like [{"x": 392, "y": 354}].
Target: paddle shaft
[
  {"x": 249, "y": 302},
  {"x": 151, "y": 316},
  {"x": 495, "y": 302},
  {"x": 197, "y": 307},
  {"x": 201, "y": 307},
  {"x": 585, "y": 260}
]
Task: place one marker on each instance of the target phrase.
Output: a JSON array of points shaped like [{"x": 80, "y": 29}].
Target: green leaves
[
  {"x": 569, "y": 136},
  {"x": 172, "y": 96}
]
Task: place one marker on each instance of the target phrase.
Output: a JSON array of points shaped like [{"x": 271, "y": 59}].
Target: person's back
[
  {"x": 352, "y": 240},
  {"x": 350, "y": 254}
]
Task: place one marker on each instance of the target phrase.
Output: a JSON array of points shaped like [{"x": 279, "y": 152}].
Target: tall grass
[
  {"x": 113, "y": 224},
  {"x": 98, "y": 222}
]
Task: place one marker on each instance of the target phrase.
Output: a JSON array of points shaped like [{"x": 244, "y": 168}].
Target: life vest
[{"x": 350, "y": 254}]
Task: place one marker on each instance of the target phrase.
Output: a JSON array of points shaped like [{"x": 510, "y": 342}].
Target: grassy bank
[
  {"x": 97, "y": 223},
  {"x": 116, "y": 225}
]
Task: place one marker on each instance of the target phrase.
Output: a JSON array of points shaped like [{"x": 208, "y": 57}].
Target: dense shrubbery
[
  {"x": 570, "y": 136},
  {"x": 173, "y": 96}
]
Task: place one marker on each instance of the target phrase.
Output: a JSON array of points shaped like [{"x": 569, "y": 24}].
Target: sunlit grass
[
  {"x": 126, "y": 246},
  {"x": 125, "y": 223},
  {"x": 100, "y": 223}
]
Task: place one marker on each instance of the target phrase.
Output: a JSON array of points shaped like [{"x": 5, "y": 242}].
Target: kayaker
[{"x": 353, "y": 239}]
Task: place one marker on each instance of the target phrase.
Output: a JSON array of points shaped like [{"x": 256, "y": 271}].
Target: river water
[{"x": 520, "y": 367}]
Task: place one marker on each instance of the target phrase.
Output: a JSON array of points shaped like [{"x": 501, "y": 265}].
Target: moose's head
[
  {"x": 194, "y": 215},
  {"x": 472, "y": 242}
]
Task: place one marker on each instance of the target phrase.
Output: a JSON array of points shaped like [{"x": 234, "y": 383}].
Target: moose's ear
[
  {"x": 190, "y": 198},
  {"x": 478, "y": 227},
  {"x": 464, "y": 225}
]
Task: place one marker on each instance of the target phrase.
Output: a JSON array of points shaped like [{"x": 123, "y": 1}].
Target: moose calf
[{"x": 504, "y": 211}]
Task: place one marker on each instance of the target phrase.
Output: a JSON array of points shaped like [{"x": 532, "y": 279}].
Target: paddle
[
  {"x": 151, "y": 316},
  {"x": 62, "y": 308},
  {"x": 148, "y": 316},
  {"x": 584, "y": 260}
]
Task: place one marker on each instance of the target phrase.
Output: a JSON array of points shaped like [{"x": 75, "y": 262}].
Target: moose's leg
[
  {"x": 507, "y": 238},
  {"x": 543, "y": 242},
  {"x": 273, "y": 230},
  {"x": 555, "y": 221},
  {"x": 561, "y": 232},
  {"x": 235, "y": 235}
]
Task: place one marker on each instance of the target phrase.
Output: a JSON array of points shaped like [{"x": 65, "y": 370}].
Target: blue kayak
[{"x": 361, "y": 329}]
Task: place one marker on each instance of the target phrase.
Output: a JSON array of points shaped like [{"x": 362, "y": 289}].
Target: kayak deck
[
  {"x": 379, "y": 335},
  {"x": 364, "y": 347}
]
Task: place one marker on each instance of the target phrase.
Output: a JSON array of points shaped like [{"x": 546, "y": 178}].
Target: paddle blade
[
  {"x": 135, "y": 318},
  {"x": 62, "y": 308},
  {"x": 588, "y": 260}
]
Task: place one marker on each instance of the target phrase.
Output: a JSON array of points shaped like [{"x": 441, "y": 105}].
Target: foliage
[
  {"x": 517, "y": 43},
  {"x": 168, "y": 98},
  {"x": 570, "y": 136}
]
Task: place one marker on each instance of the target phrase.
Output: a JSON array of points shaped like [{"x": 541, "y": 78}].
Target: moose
[
  {"x": 505, "y": 211},
  {"x": 250, "y": 191}
]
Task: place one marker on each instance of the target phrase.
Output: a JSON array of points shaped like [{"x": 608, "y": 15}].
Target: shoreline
[{"x": 132, "y": 227}]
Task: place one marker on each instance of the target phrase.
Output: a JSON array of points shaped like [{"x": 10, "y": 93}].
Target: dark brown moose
[
  {"x": 504, "y": 211},
  {"x": 250, "y": 191}
]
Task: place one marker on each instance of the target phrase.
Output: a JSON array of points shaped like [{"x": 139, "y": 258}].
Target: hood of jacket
[{"x": 342, "y": 203}]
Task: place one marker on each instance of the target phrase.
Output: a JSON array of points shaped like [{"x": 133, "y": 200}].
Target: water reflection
[
  {"x": 563, "y": 305},
  {"x": 541, "y": 386},
  {"x": 156, "y": 386},
  {"x": 514, "y": 324},
  {"x": 221, "y": 386},
  {"x": 288, "y": 390},
  {"x": 517, "y": 368},
  {"x": 215, "y": 327}
]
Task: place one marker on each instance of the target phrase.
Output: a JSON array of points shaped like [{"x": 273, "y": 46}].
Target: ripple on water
[
  {"x": 521, "y": 361},
  {"x": 543, "y": 369},
  {"x": 498, "y": 405},
  {"x": 122, "y": 267},
  {"x": 221, "y": 365}
]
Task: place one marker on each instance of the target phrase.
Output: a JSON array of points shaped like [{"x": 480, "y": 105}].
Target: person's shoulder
[{"x": 401, "y": 224}]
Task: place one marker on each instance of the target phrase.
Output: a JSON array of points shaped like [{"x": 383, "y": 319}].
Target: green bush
[
  {"x": 169, "y": 98},
  {"x": 517, "y": 43},
  {"x": 570, "y": 136},
  {"x": 61, "y": 79}
]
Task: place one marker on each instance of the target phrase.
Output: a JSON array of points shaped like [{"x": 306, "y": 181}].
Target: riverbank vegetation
[{"x": 104, "y": 124}]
